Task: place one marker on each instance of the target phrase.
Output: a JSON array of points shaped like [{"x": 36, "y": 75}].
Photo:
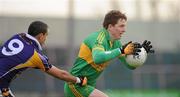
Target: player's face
[
  {"x": 43, "y": 38},
  {"x": 118, "y": 29}
]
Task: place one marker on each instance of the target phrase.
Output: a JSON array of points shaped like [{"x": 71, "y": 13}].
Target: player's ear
[
  {"x": 39, "y": 36},
  {"x": 110, "y": 26}
]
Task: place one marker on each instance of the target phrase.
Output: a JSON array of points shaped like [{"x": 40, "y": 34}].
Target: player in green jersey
[{"x": 97, "y": 50}]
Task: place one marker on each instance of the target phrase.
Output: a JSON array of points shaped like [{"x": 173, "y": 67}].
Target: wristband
[{"x": 78, "y": 80}]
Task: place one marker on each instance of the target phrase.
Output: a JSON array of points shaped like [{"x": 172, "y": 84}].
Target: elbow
[{"x": 97, "y": 60}]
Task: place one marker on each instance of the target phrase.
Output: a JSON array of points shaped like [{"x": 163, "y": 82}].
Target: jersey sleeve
[
  {"x": 38, "y": 61},
  {"x": 45, "y": 61},
  {"x": 100, "y": 55}
]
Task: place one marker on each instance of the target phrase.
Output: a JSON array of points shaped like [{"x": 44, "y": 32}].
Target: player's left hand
[{"x": 148, "y": 47}]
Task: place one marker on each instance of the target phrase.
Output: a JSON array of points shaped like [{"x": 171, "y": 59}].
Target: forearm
[
  {"x": 61, "y": 74},
  {"x": 100, "y": 56}
]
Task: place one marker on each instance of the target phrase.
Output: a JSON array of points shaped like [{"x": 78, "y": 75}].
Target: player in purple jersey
[{"x": 24, "y": 50}]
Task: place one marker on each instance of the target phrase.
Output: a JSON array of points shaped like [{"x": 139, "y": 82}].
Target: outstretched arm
[
  {"x": 66, "y": 76},
  {"x": 61, "y": 74}
]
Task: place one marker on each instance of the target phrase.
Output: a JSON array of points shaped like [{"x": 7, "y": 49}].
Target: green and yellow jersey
[{"x": 94, "y": 55}]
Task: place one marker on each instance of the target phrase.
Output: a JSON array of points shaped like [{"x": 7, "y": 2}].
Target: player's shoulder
[
  {"x": 90, "y": 39},
  {"x": 13, "y": 39},
  {"x": 98, "y": 35},
  {"x": 16, "y": 48},
  {"x": 91, "y": 36},
  {"x": 19, "y": 38},
  {"x": 20, "y": 41}
]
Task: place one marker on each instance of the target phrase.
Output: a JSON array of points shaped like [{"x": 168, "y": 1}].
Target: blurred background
[{"x": 70, "y": 21}]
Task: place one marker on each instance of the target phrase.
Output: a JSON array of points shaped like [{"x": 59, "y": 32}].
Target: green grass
[{"x": 143, "y": 93}]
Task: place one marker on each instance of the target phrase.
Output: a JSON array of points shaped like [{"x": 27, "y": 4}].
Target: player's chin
[
  {"x": 43, "y": 45},
  {"x": 118, "y": 38}
]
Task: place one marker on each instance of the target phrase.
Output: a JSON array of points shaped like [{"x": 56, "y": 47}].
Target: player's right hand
[
  {"x": 83, "y": 81},
  {"x": 131, "y": 48},
  {"x": 147, "y": 46}
]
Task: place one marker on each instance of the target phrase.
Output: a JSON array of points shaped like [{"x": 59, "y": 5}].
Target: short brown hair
[{"x": 112, "y": 17}]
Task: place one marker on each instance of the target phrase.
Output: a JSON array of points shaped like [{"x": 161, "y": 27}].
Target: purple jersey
[{"x": 20, "y": 52}]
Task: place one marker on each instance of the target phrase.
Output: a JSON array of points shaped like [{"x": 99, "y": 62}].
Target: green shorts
[{"x": 73, "y": 90}]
